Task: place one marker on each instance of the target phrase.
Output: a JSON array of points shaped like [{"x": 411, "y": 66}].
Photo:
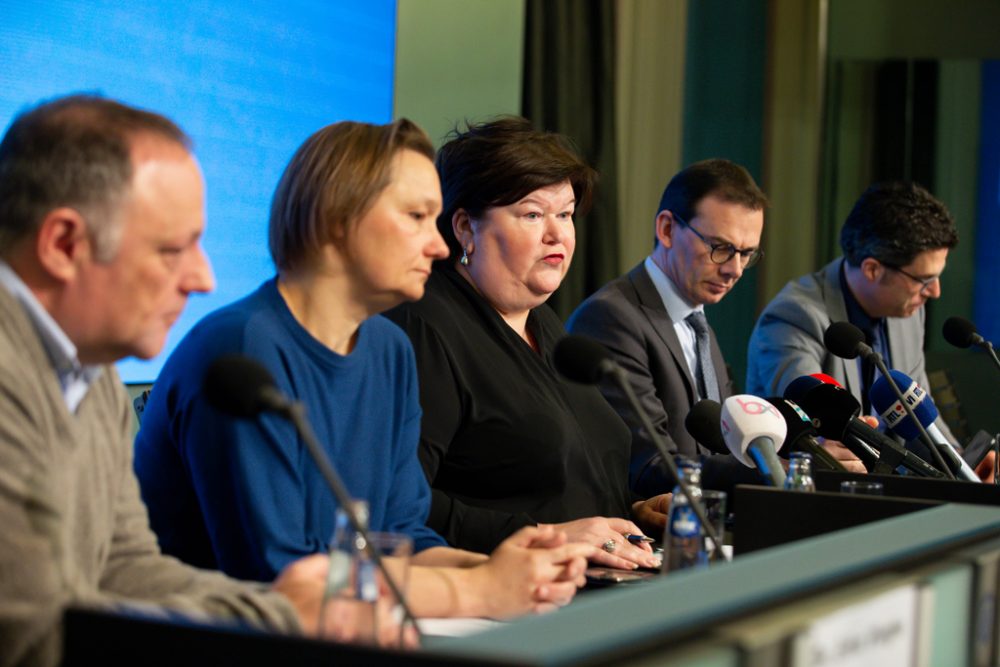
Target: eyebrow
[
  {"x": 722, "y": 241},
  {"x": 538, "y": 202},
  {"x": 430, "y": 202}
]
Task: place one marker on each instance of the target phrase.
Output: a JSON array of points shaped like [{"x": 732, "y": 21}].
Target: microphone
[
  {"x": 751, "y": 426},
  {"x": 702, "y": 422},
  {"x": 962, "y": 333},
  {"x": 826, "y": 379},
  {"x": 800, "y": 385},
  {"x": 582, "y": 360},
  {"x": 834, "y": 414},
  {"x": 802, "y": 434},
  {"x": 241, "y": 387},
  {"x": 892, "y": 413},
  {"x": 586, "y": 361},
  {"x": 238, "y": 386},
  {"x": 797, "y": 389},
  {"x": 847, "y": 341}
]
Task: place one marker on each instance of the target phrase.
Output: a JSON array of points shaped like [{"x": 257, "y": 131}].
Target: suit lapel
[
  {"x": 903, "y": 347},
  {"x": 833, "y": 298},
  {"x": 652, "y": 307}
]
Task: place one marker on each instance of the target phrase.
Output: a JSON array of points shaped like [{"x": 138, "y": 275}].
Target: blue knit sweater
[{"x": 244, "y": 496}]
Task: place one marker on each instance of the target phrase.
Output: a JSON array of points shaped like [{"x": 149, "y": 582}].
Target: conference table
[{"x": 918, "y": 587}]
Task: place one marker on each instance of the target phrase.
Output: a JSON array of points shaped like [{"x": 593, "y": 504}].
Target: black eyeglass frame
[
  {"x": 925, "y": 283},
  {"x": 748, "y": 256}
]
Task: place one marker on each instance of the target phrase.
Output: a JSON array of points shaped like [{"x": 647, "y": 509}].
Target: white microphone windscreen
[{"x": 745, "y": 418}]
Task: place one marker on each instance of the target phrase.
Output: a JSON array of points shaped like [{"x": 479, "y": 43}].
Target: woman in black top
[{"x": 505, "y": 441}]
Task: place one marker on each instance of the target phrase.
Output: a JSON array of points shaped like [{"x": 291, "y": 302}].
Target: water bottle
[
  {"x": 799, "y": 477},
  {"x": 350, "y": 564},
  {"x": 683, "y": 539},
  {"x": 352, "y": 580}
]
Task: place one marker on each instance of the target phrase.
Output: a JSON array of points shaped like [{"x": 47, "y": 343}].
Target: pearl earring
[{"x": 465, "y": 258}]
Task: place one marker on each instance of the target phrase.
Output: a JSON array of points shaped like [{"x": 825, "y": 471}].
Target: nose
[
  {"x": 198, "y": 275},
  {"x": 733, "y": 267},
  {"x": 558, "y": 230},
  {"x": 437, "y": 248},
  {"x": 933, "y": 289}
]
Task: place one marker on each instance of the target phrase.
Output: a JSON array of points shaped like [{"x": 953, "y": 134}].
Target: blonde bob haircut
[{"x": 333, "y": 179}]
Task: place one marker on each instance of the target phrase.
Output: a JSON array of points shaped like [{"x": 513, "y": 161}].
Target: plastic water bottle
[
  {"x": 799, "y": 477},
  {"x": 350, "y": 564},
  {"x": 685, "y": 546}
]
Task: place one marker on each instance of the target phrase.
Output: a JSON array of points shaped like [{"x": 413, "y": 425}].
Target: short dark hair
[
  {"x": 895, "y": 221},
  {"x": 333, "y": 179},
  {"x": 716, "y": 177},
  {"x": 73, "y": 151},
  {"x": 498, "y": 163}
]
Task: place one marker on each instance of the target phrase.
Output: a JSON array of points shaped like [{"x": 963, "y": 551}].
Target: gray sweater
[{"x": 73, "y": 529}]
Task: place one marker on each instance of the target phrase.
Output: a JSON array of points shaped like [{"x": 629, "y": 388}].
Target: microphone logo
[
  {"x": 913, "y": 396},
  {"x": 757, "y": 407},
  {"x": 802, "y": 415}
]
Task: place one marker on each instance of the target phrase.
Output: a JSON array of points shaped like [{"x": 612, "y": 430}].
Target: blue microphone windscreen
[{"x": 891, "y": 411}]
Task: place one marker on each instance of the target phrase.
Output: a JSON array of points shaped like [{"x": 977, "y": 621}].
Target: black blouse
[{"x": 505, "y": 441}]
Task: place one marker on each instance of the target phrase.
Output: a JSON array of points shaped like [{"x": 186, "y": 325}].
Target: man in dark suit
[{"x": 708, "y": 230}]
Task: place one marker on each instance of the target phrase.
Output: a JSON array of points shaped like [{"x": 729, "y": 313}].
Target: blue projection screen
[{"x": 249, "y": 81}]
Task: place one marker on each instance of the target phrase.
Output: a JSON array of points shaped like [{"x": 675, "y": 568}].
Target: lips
[
  {"x": 718, "y": 287},
  {"x": 554, "y": 259}
]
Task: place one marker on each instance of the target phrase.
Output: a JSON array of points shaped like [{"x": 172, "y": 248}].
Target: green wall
[
  {"x": 457, "y": 60},
  {"x": 724, "y": 83}
]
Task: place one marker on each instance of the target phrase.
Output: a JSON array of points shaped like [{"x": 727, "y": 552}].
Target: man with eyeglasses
[
  {"x": 895, "y": 243},
  {"x": 708, "y": 229}
]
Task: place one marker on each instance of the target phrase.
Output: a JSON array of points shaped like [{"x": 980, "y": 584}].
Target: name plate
[{"x": 879, "y": 631}]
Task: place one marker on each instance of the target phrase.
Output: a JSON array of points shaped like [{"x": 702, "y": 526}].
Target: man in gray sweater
[{"x": 101, "y": 215}]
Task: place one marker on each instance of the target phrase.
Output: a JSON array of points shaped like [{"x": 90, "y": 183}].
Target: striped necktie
[{"x": 708, "y": 384}]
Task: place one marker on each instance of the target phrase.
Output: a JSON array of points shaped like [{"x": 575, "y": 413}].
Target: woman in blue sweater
[{"x": 352, "y": 233}]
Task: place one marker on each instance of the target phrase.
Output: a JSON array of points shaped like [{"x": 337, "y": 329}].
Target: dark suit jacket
[{"x": 628, "y": 316}]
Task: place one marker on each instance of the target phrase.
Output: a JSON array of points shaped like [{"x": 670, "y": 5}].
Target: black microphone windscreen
[
  {"x": 581, "y": 359},
  {"x": 798, "y": 422},
  {"x": 799, "y": 386},
  {"x": 831, "y": 409},
  {"x": 234, "y": 384},
  {"x": 703, "y": 424},
  {"x": 960, "y": 332},
  {"x": 843, "y": 339}
]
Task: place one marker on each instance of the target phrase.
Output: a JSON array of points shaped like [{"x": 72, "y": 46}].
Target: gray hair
[{"x": 73, "y": 151}]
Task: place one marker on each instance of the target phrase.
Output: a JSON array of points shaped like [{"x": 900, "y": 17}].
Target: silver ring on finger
[{"x": 610, "y": 546}]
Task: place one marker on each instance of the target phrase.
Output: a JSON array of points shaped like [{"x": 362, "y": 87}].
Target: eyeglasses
[
  {"x": 925, "y": 283},
  {"x": 724, "y": 252}
]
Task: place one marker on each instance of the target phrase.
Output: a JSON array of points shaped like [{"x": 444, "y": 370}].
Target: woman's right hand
[
  {"x": 599, "y": 531},
  {"x": 534, "y": 570}
]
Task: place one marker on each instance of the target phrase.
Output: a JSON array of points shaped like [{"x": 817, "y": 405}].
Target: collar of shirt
[
  {"x": 74, "y": 378},
  {"x": 678, "y": 309}
]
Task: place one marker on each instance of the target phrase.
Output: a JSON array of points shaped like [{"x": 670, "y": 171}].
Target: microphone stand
[
  {"x": 988, "y": 346},
  {"x": 295, "y": 412},
  {"x": 621, "y": 379},
  {"x": 875, "y": 357},
  {"x": 869, "y": 456}
]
